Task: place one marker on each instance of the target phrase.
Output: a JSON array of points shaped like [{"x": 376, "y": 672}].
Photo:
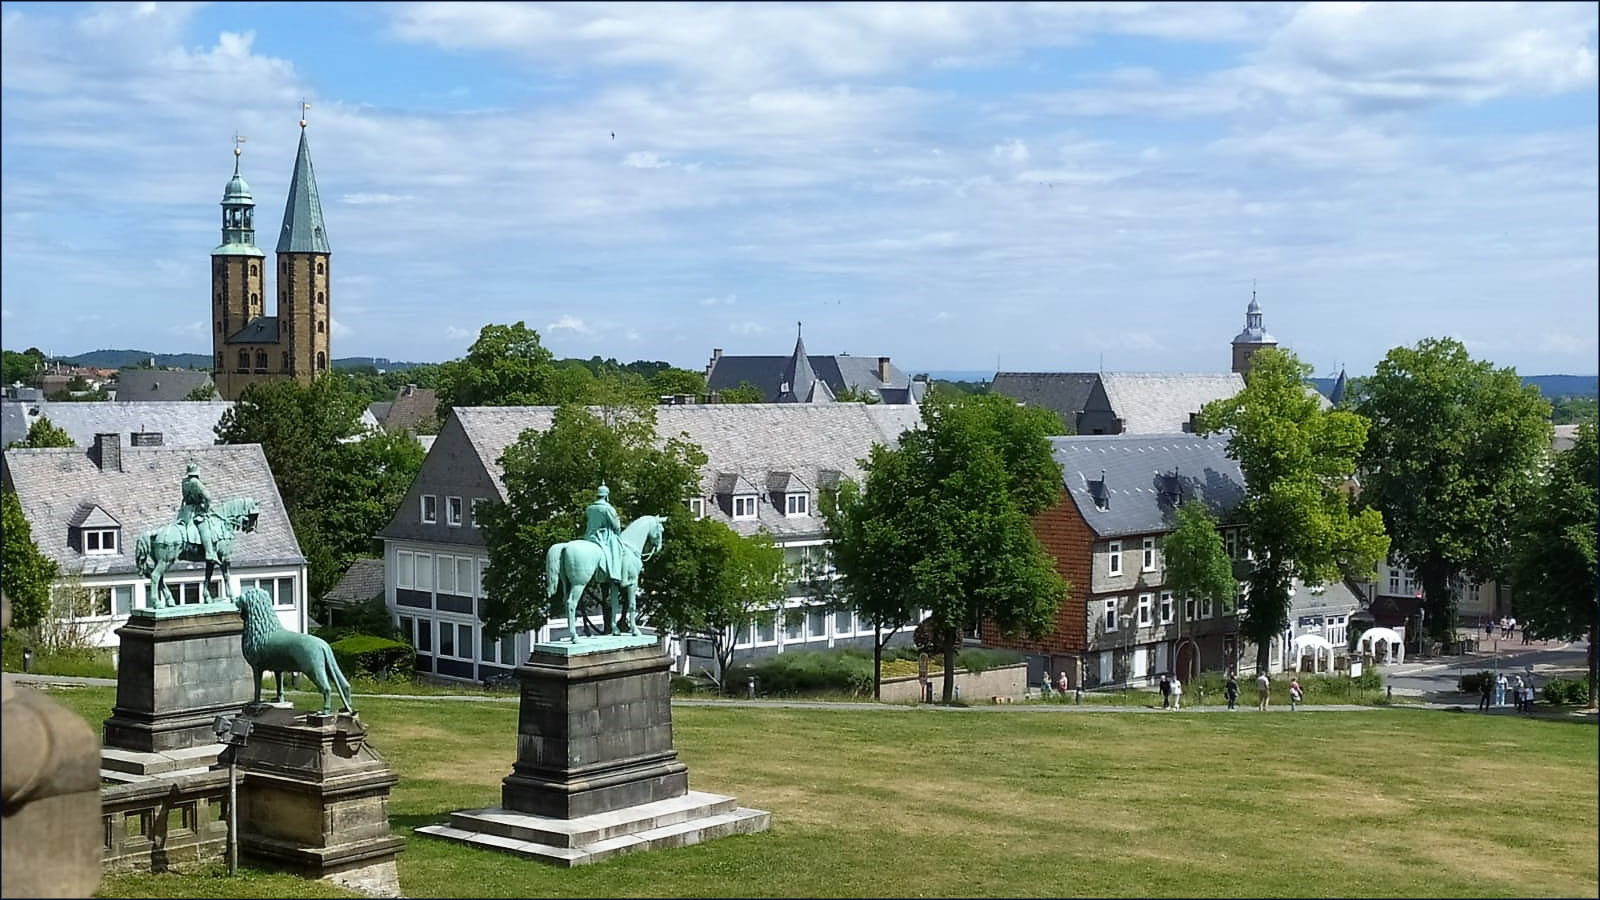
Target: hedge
[{"x": 378, "y": 657}]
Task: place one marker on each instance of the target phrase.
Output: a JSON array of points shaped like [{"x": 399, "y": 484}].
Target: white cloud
[
  {"x": 1014, "y": 152},
  {"x": 460, "y": 334},
  {"x": 570, "y": 323},
  {"x": 747, "y": 329},
  {"x": 644, "y": 159},
  {"x": 375, "y": 199},
  {"x": 339, "y": 329},
  {"x": 724, "y": 300},
  {"x": 192, "y": 329}
]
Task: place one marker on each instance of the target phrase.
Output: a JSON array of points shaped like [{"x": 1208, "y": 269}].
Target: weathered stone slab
[
  {"x": 599, "y": 643},
  {"x": 175, "y": 675}
]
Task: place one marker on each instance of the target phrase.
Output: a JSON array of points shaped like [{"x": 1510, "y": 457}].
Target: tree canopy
[
  {"x": 506, "y": 366},
  {"x": 744, "y": 393},
  {"x": 1554, "y": 568},
  {"x": 43, "y": 433},
  {"x": 1297, "y": 460},
  {"x": 24, "y": 367},
  {"x": 1453, "y": 446},
  {"x": 943, "y": 522},
  {"x": 1197, "y": 565},
  {"x": 25, "y": 573}
]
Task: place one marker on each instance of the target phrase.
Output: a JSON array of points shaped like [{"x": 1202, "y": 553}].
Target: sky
[{"x": 1029, "y": 187}]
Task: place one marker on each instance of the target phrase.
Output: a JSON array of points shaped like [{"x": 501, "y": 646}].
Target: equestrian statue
[
  {"x": 608, "y": 555},
  {"x": 204, "y": 532}
]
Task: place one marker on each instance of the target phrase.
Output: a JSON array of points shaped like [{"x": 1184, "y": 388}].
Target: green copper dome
[{"x": 237, "y": 191}]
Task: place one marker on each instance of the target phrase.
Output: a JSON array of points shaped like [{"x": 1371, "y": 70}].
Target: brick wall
[{"x": 1067, "y": 538}]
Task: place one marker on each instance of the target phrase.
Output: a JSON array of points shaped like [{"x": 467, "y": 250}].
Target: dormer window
[
  {"x": 94, "y": 532},
  {"x": 99, "y": 541},
  {"x": 744, "y": 506},
  {"x": 797, "y": 505}
]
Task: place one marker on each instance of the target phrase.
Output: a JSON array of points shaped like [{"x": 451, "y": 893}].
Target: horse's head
[{"x": 652, "y": 538}]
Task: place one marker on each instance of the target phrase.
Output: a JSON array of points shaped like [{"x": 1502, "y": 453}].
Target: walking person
[
  {"x": 1527, "y": 696},
  {"x": 1177, "y": 693},
  {"x": 1294, "y": 694},
  {"x": 1232, "y": 690},
  {"x": 1062, "y": 683},
  {"x": 1512, "y": 627},
  {"x": 1500, "y": 689},
  {"x": 1263, "y": 688},
  {"x": 1516, "y": 694},
  {"x": 1166, "y": 692},
  {"x": 1485, "y": 689}
]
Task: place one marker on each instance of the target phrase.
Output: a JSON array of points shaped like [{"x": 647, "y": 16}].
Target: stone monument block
[
  {"x": 314, "y": 799},
  {"x": 176, "y": 673},
  {"x": 594, "y": 732}
]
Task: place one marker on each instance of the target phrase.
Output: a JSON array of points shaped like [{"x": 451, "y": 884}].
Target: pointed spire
[
  {"x": 800, "y": 383},
  {"x": 302, "y": 215},
  {"x": 1337, "y": 395}
]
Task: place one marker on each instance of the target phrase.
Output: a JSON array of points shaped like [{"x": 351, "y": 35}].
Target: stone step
[
  {"x": 138, "y": 762},
  {"x": 590, "y": 829},
  {"x": 738, "y": 820}
]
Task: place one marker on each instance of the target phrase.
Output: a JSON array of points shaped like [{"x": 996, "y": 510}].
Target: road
[{"x": 1437, "y": 678}]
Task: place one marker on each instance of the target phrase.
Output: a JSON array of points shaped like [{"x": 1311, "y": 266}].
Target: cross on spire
[{"x": 238, "y": 139}]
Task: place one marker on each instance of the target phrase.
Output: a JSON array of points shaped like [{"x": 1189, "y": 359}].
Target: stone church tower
[
  {"x": 248, "y": 345},
  {"x": 1252, "y": 338}
]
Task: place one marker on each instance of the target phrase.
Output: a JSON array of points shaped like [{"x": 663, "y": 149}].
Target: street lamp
[{"x": 233, "y": 732}]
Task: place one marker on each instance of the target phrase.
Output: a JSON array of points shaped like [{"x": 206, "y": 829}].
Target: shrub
[
  {"x": 1369, "y": 680},
  {"x": 371, "y": 617},
  {"x": 1566, "y": 691},
  {"x": 378, "y": 657},
  {"x": 978, "y": 661},
  {"x": 1473, "y": 682},
  {"x": 806, "y": 672}
]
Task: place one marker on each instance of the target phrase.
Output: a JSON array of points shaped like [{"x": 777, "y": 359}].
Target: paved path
[{"x": 1464, "y": 705}]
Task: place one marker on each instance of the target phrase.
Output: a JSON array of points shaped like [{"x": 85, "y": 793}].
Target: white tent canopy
[
  {"x": 1318, "y": 645},
  {"x": 1393, "y": 644}
]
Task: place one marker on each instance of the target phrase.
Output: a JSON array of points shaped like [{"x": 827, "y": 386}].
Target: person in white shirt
[
  {"x": 1263, "y": 691},
  {"x": 1177, "y": 693}
]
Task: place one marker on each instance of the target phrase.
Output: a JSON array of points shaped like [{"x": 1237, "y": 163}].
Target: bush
[
  {"x": 374, "y": 656},
  {"x": 806, "y": 672},
  {"x": 978, "y": 661},
  {"x": 371, "y": 618},
  {"x": 1566, "y": 691},
  {"x": 1473, "y": 682}
]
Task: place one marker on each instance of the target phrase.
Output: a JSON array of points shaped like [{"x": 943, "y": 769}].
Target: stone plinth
[
  {"x": 175, "y": 674},
  {"x": 594, "y": 733},
  {"x": 314, "y": 798}
]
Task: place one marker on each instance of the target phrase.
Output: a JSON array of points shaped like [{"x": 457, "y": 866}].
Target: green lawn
[{"x": 922, "y": 802}]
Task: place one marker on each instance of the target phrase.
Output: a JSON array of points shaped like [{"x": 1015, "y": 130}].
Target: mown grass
[
  {"x": 85, "y": 663},
  {"x": 905, "y": 801}
]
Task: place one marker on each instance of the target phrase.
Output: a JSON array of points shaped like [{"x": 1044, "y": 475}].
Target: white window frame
[
  {"x": 1108, "y": 618},
  {"x": 444, "y": 563},
  {"x": 465, "y": 582},
  {"x": 1205, "y": 607},
  {"x": 472, "y": 510},
  {"x": 697, "y": 507},
  {"x": 776, "y": 619},
  {"x": 422, "y": 575},
  {"x": 1165, "y": 616},
  {"x": 1148, "y": 560},
  {"x": 1144, "y": 610},
  {"x": 404, "y": 566},
  {"x": 1191, "y": 609},
  {"x": 99, "y": 535},
  {"x": 1230, "y": 543},
  {"x": 483, "y": 569},
  {"x": 430, "y": 509},
  {"x": 744, "y": 507},
  {"x": 1114, "y": 561},
  {"x": 452, "y": 511},
  {"x": 797, "y": 504}
]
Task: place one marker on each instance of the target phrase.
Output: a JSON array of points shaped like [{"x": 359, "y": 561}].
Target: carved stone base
[
  {"x": 175, "y": 675},
  {"x": 314, "y": 796}
]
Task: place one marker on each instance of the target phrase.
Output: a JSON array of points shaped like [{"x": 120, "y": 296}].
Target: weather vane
[{"x": 303, "y": 107}]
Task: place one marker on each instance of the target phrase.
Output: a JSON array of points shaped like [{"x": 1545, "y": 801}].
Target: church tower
[
  {"x": 237, "y": 275},
  {"x": 303, "y": 269},
  {"x": 1252, "y": 338}
]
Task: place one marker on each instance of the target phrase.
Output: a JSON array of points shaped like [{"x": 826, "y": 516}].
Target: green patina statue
[
  {"x": 268, "y": 645},
  {"x": 204, "y": 532},
  {"x": 609, "y": 555}
]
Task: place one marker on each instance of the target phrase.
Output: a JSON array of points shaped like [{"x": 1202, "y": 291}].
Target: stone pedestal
[
  {"x": 50, "y": 788},
  {"x": 176, "y": 672},
  {"x": 596, "y": 774},
  {"x": 314, "y": 799}
]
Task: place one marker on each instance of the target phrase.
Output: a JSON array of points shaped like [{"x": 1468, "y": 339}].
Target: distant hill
[
  {"x": 383, "y": 363},
  {"x": 130, "y": 359},
  {"x": 1549, "y": 385}
]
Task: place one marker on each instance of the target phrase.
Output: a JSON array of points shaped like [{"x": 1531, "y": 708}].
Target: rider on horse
[
  {"x": 602, "y": 526},
  {"x": 196, "y": 511}
]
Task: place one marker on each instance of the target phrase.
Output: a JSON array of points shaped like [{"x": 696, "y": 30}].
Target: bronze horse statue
[
  {"x": 570, "y": 566},
  {"x": 157, "y": 550}
]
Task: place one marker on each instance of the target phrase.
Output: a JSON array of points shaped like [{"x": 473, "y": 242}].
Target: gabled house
[
  {"x": 767, "y": 465},
  {"x": 803, "y": 378},
  {"x": 87, "y": 510},
  {"x": 1064, "y": 393},
  {"x": 159, "y": 385}
]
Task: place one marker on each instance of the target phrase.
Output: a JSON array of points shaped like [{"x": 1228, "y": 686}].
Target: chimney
[
  {"x": 145, "y": 439},
  {"x": 108, "y": 452},
  {"x": 409, "y": 390},
  {"x": 883, "y": 369}
]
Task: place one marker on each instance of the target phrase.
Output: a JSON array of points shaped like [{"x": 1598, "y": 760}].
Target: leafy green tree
[
  {"x": 1197, "y": 565},
  {"x": 21, "y": 367},
  {"x": 1554, "y": 568},
  {"x": 672, "y": 382},
  {"x": 848, "y": 394},
  {"x": 1569, "y": 409},
  {"x": 744, "y": 393},
  {"x": 25, "y": 573},
  {"x": 714, "y": 583},
  {"x": 1297, "y": 460},
  {"x": 551, "y": 477},
  {"x": 508, "y": 366},
  {"x": 1454, "y": 444},
  {"x": 952, "y": 532},
  {"x": 203, "y": 392},
  {"x": 43, "y": 433}
]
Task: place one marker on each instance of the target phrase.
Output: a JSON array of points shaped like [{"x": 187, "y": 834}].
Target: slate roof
[
  {"x": 146, "y": 385},
  {"x": 858, "y": 373},
  {"x": 359, "y": 583},
  {"x": 411, "y": 407},
  {"x": 1158, "y": 403},
  {"x": 260, "y": 330},
  {"x": 302, "y": 230},
  {"x": 55, "y": 485},
  {"x": 181, "y": 424},
  {"x": 747, "y": 441},
  {"x": 14, "y": 421},
  {"x": 1138, "y": 486},
  {"x": 1064, "y": 392}
]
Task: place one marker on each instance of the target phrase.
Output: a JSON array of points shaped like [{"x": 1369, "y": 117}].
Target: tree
[
  {"x": 202, "y": 393},
  {"x": 508, "y": 366},
  {"x": 1554, "y": 567},
  {"x": 670, "y": 382},
  {"x": 1454, "y": 443},
  {"x": 25, "y": 573},
  {"x": 744, "y": 393},
  {"x": 1297, "y": 461},
  {"x": 952, "y": 532},
  {"x": 43, "y": 433},
  {"x": 714, "y": 583},
  {"x": 848, "y": 394},
  {"x": 338, "y": 484},
  {"x": 551, "y": 476},
  {"x": 1197, "y": 564},
  {"x": 21, "y": 367}
]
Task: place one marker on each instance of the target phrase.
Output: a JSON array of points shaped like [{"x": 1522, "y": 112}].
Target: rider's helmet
[
  {"x": 193, "y": 469},
  {"x": 604, "y": 491}
]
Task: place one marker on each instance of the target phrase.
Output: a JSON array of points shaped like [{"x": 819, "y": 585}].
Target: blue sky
[{"x": 952, "y": 185}]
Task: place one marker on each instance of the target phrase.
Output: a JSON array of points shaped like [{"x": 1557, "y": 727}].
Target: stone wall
[
  {"x": 1008, "y": 682},
  {"x": 167, "y": 823}
]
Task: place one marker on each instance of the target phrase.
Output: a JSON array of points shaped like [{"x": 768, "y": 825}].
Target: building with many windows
[
  {"x": 767, "y": 465},
  {"x": 88, "y": 508}
]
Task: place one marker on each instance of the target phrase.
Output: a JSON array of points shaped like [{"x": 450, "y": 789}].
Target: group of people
[
  {"x": 1171, "y": 692},
  {"x": 1508, "y": 629},
  {"x": 1263, "y": 692},
  {"x": 1496, "y": 689}
]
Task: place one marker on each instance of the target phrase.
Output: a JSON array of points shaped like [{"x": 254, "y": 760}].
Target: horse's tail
[
  {"x": 336, "y": 678},
  {"x": 552, "y": 571},
  {"x": 141, "y": 554}
]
